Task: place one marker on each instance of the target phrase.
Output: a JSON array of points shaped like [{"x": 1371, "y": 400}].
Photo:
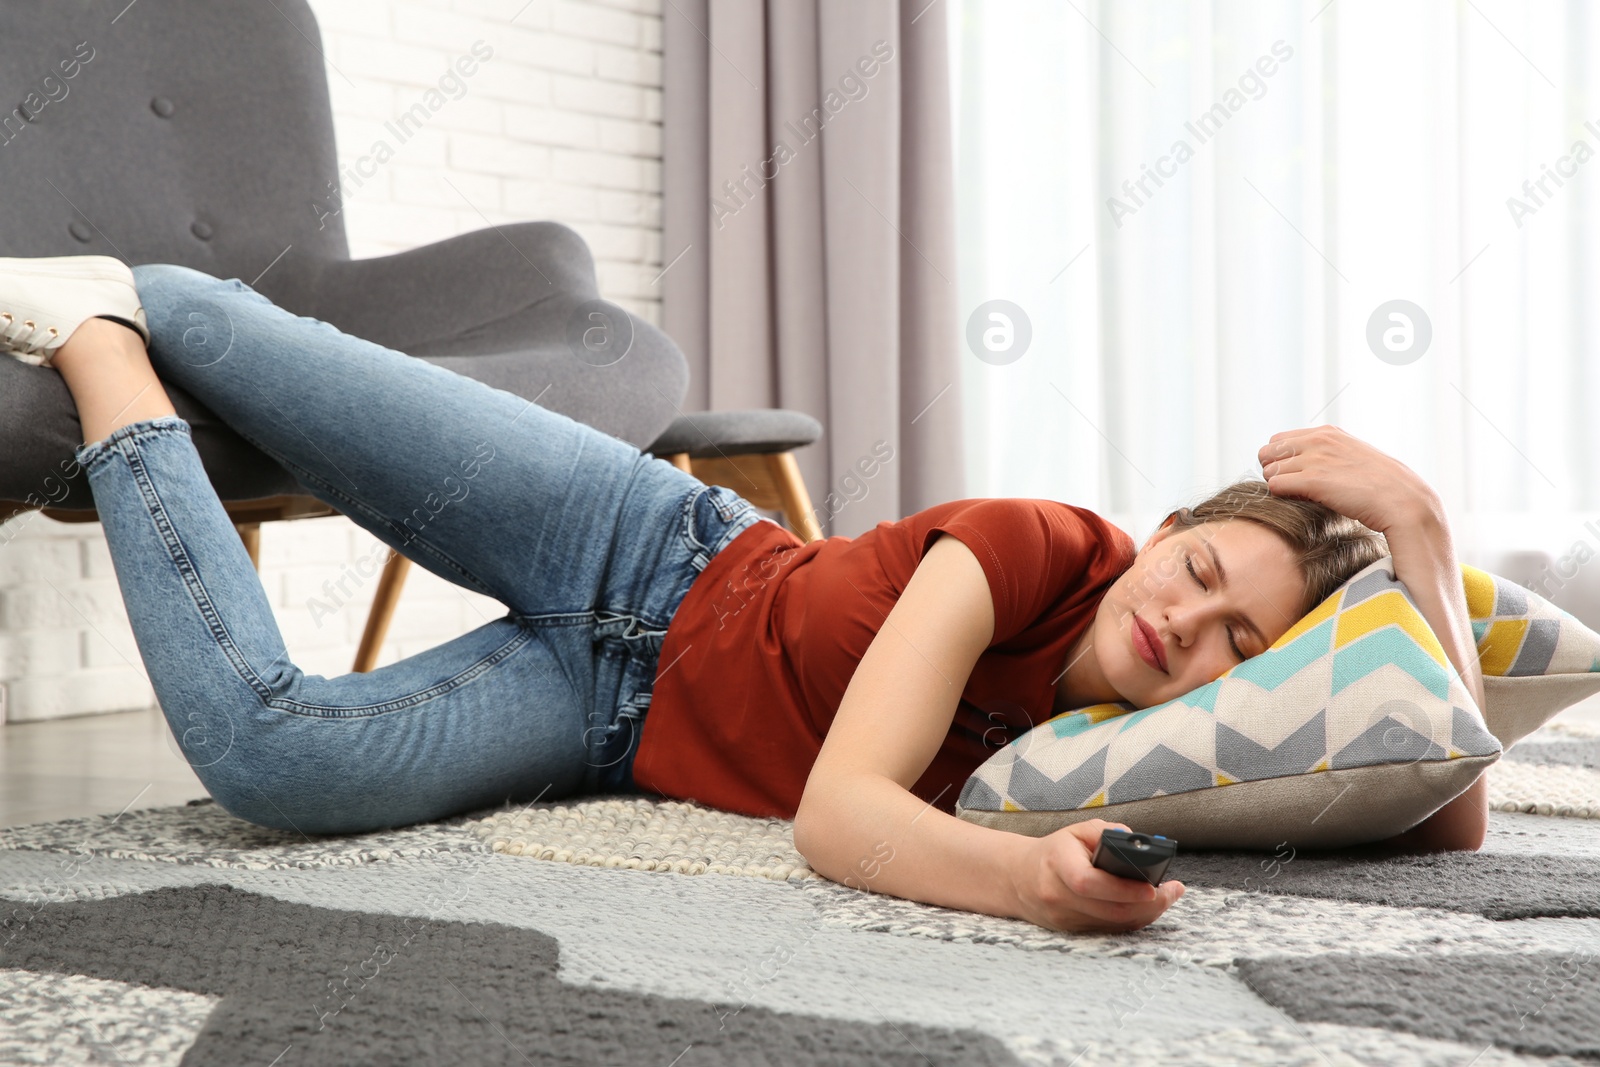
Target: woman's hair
[{"x": 1330, "y": 547}]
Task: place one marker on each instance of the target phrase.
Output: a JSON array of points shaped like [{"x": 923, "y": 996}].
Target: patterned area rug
[
  {"x": 182, "y": 933},
  {"x": 1553, "y": 771},
  {"x": 650, "y": 835}
]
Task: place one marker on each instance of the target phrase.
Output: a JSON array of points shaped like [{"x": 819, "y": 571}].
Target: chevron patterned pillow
[
  {"x": 1536, "y": 658},
  {"x": 1353, "y": 727}
]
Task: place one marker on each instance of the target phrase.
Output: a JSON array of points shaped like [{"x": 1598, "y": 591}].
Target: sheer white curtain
[{"x": 1335, "y": 156}]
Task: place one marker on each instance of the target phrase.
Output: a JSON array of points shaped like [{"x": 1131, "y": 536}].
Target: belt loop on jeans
[
  {"x": 636, "y": 637},
  {"x": 726, "y": 508}
]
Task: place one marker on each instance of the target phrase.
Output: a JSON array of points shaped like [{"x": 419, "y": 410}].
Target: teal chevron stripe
[
  {"x": 1393, "y": 645},
  {"x": 1276, "y": 666},
  {"x": 1204, "y": 698},
  {"x": 1188, "y": 700},
  {"x": 1479, "y": 628},
  {"x": 1069, "y": 725},
  {"x": 1128, "y": 720}
]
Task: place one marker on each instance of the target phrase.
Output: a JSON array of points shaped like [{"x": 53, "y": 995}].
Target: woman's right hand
[{"x": 1056, "y": 886}]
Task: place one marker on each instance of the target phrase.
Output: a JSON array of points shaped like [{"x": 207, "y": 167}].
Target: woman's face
[{"x": 1245, "y": 591}]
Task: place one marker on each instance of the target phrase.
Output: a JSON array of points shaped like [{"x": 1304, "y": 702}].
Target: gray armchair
[{"x": 199, "y": 132}]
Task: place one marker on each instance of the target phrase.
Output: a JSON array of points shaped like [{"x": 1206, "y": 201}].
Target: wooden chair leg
[
  {"x": 250, "y": 534},
  {"x": 681, "y": 461},
  {"x": 785, "y": 472},
  {"x": 381, "y": 614}
]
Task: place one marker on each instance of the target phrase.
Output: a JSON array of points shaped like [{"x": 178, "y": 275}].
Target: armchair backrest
[{"x": 214, "y": 113}]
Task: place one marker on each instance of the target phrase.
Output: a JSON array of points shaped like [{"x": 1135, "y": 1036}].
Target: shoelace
[{"x": 14, "y": 332}]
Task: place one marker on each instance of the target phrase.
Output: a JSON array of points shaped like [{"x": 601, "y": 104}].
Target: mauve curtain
[{"x": 809, "y": 229}]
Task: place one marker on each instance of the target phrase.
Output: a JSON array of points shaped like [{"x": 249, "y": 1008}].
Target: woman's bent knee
[
  {"x": 252, "y": 811},
  {"x": 179, "y": 305},
  {"x": 158, "y": 283},
  {"x": 258, "y": 805}
]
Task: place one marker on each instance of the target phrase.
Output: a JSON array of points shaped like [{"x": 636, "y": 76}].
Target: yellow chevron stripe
[
  {"x": 1383, "y": 610},
  {"x": 1498, "y": 649},
  {"x": 1320, "y": 614},
  {"x": 1480, "y": 592},
  {"x": 1102, "y": 712},
  {"x": 1223, "y": 779},
  {"x": 1097, "y": 801}
]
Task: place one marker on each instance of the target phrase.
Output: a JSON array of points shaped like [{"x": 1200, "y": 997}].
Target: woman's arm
[
  {"x": 1424, "y": 557},
  {"x": 1355, "y": 479},
  {"x": 1459, "y": 826},
  {"x": 858, "y": 823}
]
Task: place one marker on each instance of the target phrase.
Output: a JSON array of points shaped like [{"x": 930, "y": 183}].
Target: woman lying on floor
[{"x": 851, "y": 685}]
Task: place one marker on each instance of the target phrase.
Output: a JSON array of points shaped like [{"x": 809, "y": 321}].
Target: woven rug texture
[{"x": 181, "y": 934}]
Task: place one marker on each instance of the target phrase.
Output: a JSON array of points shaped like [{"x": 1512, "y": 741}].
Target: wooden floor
[
  {"x": 104, "y": 764},
  {"x": 90, "y": 765}
]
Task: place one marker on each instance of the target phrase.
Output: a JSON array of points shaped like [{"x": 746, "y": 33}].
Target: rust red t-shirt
[{"x": 756, "y": 659}]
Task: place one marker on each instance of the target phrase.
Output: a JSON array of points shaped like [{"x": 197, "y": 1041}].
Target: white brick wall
[{"x": 562, "y": 121}]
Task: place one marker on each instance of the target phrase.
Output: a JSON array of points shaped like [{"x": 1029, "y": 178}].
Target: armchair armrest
[
  {"x": 471, "y": 294},
  {"x": 499, "y": 305}
]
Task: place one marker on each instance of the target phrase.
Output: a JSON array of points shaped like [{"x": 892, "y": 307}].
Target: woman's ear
[{"x": 1165, "y": 530}]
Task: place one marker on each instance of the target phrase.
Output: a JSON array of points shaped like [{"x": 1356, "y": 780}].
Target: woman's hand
[
  {"x": 1327, "y": 465},
  {"x": 1057, "y": 887}
]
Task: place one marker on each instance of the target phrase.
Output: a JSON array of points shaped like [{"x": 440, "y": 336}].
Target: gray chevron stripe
[
  {"x": 1040, "y": 792},
  {"x": 1538, "y": 645},
  {"x": 1377, "y": 582},
  {"x": 1509, "y": 597},
  {"x": 980, "y": 795},
  {"x": 1161, "y": 770},
  {"x": 1387, "y": 741},
  {"x": 1245, "y": 760}
]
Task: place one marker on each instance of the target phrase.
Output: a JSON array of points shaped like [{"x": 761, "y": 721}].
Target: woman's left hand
[{"x": 1327, "y": 465}]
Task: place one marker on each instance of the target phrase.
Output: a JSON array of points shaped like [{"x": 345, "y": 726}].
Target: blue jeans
[{"x": 590, "y": 543}]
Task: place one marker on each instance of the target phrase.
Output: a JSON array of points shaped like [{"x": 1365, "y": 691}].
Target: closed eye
[{"x": 1188, "y": 561}]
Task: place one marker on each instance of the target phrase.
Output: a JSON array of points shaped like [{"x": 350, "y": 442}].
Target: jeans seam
[
  {"x": 156, "y": 508},
  {"x": 309, "y": 478},
  {"x": 698, "y": 555},
  {"x": 460, "y": 678},
  {"x": 91, "y": 455},
  {"x": 738, "y": 515},
  {"x": 179, "y": 554},
  {"x": 744, "y": 518},
  {"x": 630, "y": 711}
]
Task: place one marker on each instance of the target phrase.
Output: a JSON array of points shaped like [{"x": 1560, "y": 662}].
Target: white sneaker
[{"x": 43, "y": 300}]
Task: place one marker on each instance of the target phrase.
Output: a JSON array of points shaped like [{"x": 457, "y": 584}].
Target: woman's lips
[{"x": 1148, "y": 645}]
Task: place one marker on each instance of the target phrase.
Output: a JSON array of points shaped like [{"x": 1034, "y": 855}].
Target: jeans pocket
[
  {"x": 619, "y": 741},
  {"x": 713, "y": 515}
]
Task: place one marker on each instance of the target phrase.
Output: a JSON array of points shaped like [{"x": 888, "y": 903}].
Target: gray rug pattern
[
  {"x": 1491, "y": 885},
  {"x": 418, "y": 991},
  {"x": 148, "y": 938},
  {"x": 1543, "y": 1004},
  {"x": 1556, "y": 753},
  {"x": 823, "y": 951},
  {"x": 734, "y": 943},
  {"x": 202, "y": 833},
  {"x": 53, "y": 1018},
  {"x": 1290, "y": 1045}
]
